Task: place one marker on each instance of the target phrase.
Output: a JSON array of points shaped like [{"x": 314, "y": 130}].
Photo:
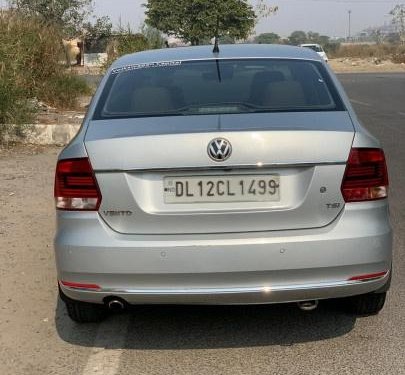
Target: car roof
[
  {"x": 310, "y": 45},
  {"x": 229, "y": 51}
]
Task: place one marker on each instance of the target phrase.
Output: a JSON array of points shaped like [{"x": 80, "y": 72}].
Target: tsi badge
[
  {"x": 219, "y": 149},
  {"x": 333, "y": 206}
]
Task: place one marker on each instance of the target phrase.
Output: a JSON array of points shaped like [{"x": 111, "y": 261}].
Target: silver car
[
  {"x": 318, "y": 49},
  {"x": 238, "y": 177}
]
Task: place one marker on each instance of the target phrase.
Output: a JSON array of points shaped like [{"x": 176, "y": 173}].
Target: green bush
[
  {"x": 130, "y": 43},
  {"x": 13, "y": 105},
  {"x": 32, "y": 66},
  {"x": 61, "y": 91},
  {"x": 15, "y": 109},
  {"x": 124, "y": 43}
]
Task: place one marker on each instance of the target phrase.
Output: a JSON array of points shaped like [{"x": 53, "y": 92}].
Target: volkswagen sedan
[{"x": 238, "y": 177}]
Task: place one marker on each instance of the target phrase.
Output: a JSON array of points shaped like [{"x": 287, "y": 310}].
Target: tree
[
  {"x": 198, "y": 20},
  {"x": 377, "y": 36},
  {"x": 268, "y": 38},
  {"x": 102, "y": 28},
  {"x": 398, "y": 19},
  {"x": 298, "y": 37},
  {"x": 393, "y": 38},
  {"x": 313, "y": 37},
  {"x": 323, "y": 40},
  {"x": 124, "y": 42},
  {"x": 97, "y": 34},
  {"x": 262, "y": 10},
  {"x": 153, "y": 36},
  {"x": 67, "y": 14},
  {"x": 226, "y": 40}
]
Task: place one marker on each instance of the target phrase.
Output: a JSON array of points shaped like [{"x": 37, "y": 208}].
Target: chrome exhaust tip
[
  {"x": 308, "y": 305},
  {"x": 116, "y": 305}
]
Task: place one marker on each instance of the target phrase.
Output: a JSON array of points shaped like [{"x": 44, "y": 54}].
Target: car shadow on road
[{"x": 211, "y": 327}]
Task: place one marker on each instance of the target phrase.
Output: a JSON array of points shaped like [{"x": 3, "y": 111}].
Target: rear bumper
[
  {"x": 232, "y": 296},
  {"x": 242, "y": 268}
]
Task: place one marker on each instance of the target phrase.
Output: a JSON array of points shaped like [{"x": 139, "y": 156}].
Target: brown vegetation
[
  {"x": 31, "y": 69},
  {"x": 395, "y": 53}
]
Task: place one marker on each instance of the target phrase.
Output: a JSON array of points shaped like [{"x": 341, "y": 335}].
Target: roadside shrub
[
  {"x": 399, "y": 56},
  {"x": 61, "y": 91},
  {"x": 15, "y": 109},
  {"x": 124, "y": 43},
  {"x": 364, "y": 51},
  {"x": 386, "y": 51},
  {"x": 13, "y": 104},
  {"x": 331, "y": 48},
  {"x": 130, "y": 43},
  {"x": 32, "y": 66}
]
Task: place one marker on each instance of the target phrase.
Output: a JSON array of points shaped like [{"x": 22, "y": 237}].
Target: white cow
[{"x": 73, "y": 51}]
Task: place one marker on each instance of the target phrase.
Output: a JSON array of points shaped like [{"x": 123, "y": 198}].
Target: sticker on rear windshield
[{"x": 162, "y": 64}]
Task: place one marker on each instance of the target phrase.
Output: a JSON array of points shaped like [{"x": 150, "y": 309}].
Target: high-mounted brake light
[
  {"x": 366, "y": 176},
  {"x": 76, "y": 187}
]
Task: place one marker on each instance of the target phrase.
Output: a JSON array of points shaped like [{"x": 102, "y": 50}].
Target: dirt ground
[
  {"x": 345, "y": 65},
  {"x": 27, "y": 271}
]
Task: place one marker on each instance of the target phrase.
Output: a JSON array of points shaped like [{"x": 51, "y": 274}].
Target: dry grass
[
  {"x": 30, "y": 67},
  {"x": 395, "y": 53}
]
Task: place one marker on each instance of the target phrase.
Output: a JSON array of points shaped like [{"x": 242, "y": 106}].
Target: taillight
[
  {"x": 366, "y": 176},
  {"x": 80, "y": 285},
  {"x": 369, "y": 276},
  {"x": 76, "y": 187}
]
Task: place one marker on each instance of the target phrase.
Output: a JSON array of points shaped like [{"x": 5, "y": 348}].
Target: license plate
[{"x": 216, "y": 189}]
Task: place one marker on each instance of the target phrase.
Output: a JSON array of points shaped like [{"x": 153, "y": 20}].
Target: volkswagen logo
[{"x": 219, "y": 149}]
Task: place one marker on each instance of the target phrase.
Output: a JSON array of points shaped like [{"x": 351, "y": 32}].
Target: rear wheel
[
  {"x": 366, "y": 304},
  {"x": 84, "y": 312}
]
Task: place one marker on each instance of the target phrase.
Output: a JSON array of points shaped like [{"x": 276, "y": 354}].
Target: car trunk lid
[{"x": 135, "y": 159}]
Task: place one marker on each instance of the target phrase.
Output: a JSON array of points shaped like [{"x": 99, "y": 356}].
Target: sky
[{"x": 329, "y": 17}]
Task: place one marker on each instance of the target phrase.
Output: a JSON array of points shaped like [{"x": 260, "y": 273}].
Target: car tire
[
  {"x": 84, "y": 312},
  {"x": 366, "y": 304}
]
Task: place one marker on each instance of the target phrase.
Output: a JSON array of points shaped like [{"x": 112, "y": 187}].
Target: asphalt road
[{"x": 36, "y": 336}]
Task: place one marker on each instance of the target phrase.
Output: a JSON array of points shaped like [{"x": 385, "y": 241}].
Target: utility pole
[{"x": 350, "y": 25}]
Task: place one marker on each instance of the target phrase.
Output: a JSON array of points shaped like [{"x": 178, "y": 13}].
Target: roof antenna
[{"x": 216, "y": 46}]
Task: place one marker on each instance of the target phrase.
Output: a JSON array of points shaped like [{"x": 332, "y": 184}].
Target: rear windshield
[{"x": 220, "y": 86}]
